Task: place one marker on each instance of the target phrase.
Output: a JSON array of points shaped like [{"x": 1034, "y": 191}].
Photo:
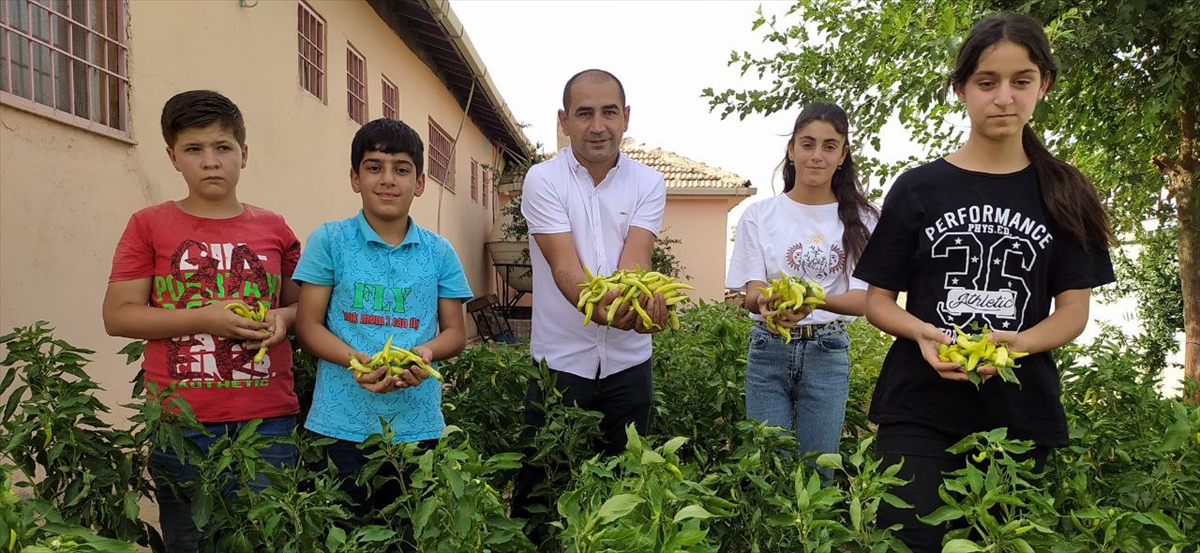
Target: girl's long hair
[
  {"x": 851, "y": 197},
  {"x": 1070, "y": 199}
]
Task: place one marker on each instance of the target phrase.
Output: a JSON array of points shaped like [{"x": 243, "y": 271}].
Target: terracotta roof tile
[{"x": 679, "y": 171}]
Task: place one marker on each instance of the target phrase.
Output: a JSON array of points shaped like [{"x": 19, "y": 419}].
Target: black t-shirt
[{"x": 967, "y": 248}]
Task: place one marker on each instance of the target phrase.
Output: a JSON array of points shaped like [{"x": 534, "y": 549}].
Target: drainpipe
[{"x": 444, "y": 16}]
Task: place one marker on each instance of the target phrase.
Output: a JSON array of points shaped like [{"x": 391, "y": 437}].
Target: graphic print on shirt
[
  {"x": 386, "y": 304},
  {"x": 201, "y": 274},
  {"x": 816, "y": 260},
  {"x": 989, "y": 249}
]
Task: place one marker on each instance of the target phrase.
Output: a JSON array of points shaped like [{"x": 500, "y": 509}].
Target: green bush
[{"x": 701, "y": 479}]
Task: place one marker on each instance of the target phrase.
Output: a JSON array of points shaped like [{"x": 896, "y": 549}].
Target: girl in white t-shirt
[{"x": 816, "y": 229}]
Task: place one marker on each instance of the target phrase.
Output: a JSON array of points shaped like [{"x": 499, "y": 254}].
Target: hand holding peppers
[
  {"x": 973, "y": 351},
  {"x": 786, "y": 296},
  {"x": 392, "y": 362}
]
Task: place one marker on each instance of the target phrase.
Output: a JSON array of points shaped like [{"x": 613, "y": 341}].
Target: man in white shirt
[{"x": 591, "y": 206}]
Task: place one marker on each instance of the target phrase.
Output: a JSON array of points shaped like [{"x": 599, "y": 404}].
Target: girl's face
[
  {"x": 817, "y": 149},
  {"x": 1002, "y": 92}
]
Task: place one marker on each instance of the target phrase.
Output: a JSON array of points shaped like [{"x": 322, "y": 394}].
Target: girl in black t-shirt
[{"x": 1000, "y": 233}]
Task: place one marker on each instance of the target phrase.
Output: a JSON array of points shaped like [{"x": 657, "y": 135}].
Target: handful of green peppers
[{"x": 975, "y": 350}]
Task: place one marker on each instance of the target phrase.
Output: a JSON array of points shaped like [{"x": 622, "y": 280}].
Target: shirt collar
[
  {"x": 412, "y": 237},
  {"x": 575, "y": 166}
]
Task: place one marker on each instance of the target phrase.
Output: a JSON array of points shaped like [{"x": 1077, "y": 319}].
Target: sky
[{"x": 665, "y": 53}]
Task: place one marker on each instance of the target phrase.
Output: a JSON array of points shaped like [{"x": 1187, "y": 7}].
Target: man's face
[{"x": 596, "y": 121}]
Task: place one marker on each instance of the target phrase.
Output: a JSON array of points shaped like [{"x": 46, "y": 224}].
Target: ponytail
[{"x": 1070, "y": 199}]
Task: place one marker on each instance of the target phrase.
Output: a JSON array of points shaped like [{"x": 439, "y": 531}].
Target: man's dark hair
[
  {"x": 200, "y": 108},
  {"x": 591, "y": 75},
  {"x": 390, "y": 137}
]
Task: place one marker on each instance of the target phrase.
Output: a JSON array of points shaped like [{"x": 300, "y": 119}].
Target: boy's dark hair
[
  {"x": 390, "y": 137},
  {"x": 201, "y": 108}
]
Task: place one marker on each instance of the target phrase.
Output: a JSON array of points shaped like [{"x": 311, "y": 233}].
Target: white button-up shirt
[{"x": 559, "y": 196}]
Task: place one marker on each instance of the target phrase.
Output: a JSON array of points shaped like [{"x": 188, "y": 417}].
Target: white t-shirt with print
[{"x": 780, "y": 236}]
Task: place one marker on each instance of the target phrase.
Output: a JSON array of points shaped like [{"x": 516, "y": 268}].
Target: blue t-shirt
[{"x": 379, "y": 290}]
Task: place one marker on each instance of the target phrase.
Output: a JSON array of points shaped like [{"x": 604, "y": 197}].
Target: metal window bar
[
  {"x": 41, "y": 41},
  {"x": 311, "y": 45},
  {"x": 474, "y": 181},
  {"x": 356, "y": 86},
  {"x": 389, "y": 99}
]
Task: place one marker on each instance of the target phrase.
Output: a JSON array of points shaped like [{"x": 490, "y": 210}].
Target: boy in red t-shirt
[{"x": 176, "y": 268}]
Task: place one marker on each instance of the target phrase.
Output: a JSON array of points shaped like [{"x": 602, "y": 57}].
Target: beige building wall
[
  {"x": 700, "y": 222},
  {"x": 67, "y": 193}
]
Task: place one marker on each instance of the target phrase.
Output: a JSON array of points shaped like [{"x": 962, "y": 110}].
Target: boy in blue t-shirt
[{"x": 370, "y": 277}]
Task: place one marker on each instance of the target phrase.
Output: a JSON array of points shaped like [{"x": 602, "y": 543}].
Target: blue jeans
[
  {"x": 169, "y": 472},
  {"x": 801, "y": 386}
]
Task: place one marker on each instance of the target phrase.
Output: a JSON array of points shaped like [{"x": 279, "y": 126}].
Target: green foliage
[
  {"x": 1153, "y": 278},
  {"x": 80, "y": 469},
  {"x": 1124, "y": 110},
  {"x": 663, "y": 260},
  {"x": 702, "y": 479}
]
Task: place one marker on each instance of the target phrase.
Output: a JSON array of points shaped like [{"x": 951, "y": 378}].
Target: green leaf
[
  {"x": 374, "y": 534},
  {"x": 961, "y": 546},
  {"x": 830, "y": 460},
  {"x": 202, "y": 507},
  {"x": 1177, "y": 434},
  {"x": 618, "y": 506},
  {"x": 942, "y": 515},
  {"x": 692, "y": 511},
  {"x": 651, "y": 457},
  {"x": 671, "y": 446},
  {"x": 131, "y": 508}
]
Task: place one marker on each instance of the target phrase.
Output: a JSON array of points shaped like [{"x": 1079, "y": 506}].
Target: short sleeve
[
  {"x": 1075, "y": 268},
  {"x": 887, "y": 260},
  {"x": 452, "y": 282},
  {"x": 747, "y": 262},
  {"x": 544, "y": 211},
  {"x": 653, "y": 203},
  {"x": 871, "y": 220},
  {"x": 291, "y": 252},
  {"x": 134, "y": 257},
  {"x": 316, "y": 263}
]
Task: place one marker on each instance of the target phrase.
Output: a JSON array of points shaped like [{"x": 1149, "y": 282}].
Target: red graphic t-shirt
[{"x": 194, "y": 261}]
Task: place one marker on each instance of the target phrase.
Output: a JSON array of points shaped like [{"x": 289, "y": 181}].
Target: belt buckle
[{"x": 806, "y": 332}]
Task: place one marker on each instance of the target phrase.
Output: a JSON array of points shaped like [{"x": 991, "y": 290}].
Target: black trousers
[
  {"x": 622, "y": 398},
  {"x": 926, "y": 461}
]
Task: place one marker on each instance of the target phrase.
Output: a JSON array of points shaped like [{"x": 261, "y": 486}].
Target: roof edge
[{"x": 453, "y": 28}]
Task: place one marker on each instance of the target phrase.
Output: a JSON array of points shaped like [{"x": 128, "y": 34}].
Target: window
[
  {"x": 67, "y": 59},
  {"x": 356, "y": 86},
  {"x": 441, "y": 149},
  {"x": 390, "y": 99},
  {"x": 474, "y": 181},
  {"x": 311, "y": 31},
  {"x": 487, "y": 176}
]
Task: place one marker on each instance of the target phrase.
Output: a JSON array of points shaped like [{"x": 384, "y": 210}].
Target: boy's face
[
  {"x": 210, "y": 159},
  {"x": 388, "y": 183}
]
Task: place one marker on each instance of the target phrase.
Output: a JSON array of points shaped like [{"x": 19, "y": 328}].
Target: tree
[{"x": 1124, "y": 110}]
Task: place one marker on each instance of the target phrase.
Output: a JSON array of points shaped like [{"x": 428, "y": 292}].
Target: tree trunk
[{"x": 1187, "y": 197}]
